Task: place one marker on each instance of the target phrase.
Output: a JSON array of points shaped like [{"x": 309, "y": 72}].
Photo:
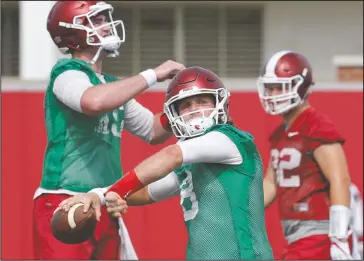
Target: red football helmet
[
  {"x": 190, "y": 82},
  {"x": 290, "y": 71},
  {"x": 71, "y": 28}
]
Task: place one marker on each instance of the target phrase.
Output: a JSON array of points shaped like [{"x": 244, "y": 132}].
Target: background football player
[
  {"x": 308, "y": 172},
  {"x": 357, "y": 222},
  {"x": 215, "y": 168},
  {"x": 85, "y": 113}
]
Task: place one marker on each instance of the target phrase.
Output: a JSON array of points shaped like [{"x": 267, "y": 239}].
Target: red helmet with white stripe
[
  {"x": 71, "y": 26},
  {"x": 289, "y": 72},
  {"x": 194, "y": 81}
]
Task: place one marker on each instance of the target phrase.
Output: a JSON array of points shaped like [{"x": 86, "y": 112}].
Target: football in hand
[{"x": 74, "y": 226}]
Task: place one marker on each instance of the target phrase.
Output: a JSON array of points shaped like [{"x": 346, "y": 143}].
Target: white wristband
[
  {"x": 100, "y": 192},
  {"x": 150, "y": 77},
  {"x": 340, "y": 217}
]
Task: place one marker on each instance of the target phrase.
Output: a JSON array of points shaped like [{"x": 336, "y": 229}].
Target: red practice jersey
[{"x": 303, "y": 191}]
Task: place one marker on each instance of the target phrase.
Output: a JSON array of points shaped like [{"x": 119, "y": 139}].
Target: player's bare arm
[
  {"x": 158, "y": 165},
  {"x": 153, "y": 168},
  {"x": 270, "y": 186},
  {"x": 110, "y": 96},
  {"x": 332, "y": 161},
  {"x": 162, "y": 189},
  {"x": 132, "y": 186},
  {"x": 207, "y": 148},
  {"x": 140, "y": 198},
  {"x": 157, "y": 191}
]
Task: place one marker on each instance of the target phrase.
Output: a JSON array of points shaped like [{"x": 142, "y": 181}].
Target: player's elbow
[
  {"x": 91, "y": 105},
  {"x": 173, "y": 154}
]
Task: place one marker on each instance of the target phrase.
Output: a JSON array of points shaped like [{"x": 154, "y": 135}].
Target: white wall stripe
[{"x": 233, "y": 84}]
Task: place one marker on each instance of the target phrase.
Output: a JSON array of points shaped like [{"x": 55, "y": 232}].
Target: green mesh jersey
[
  {"x": 83, "y": 152},
  {"x": 223, "y": 205}
]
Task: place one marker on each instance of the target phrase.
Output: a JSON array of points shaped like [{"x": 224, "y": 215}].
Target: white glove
[{"x": 340, "y": 250}]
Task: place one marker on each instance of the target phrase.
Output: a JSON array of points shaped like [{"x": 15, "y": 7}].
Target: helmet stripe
[{"x": 272, "y": 63}]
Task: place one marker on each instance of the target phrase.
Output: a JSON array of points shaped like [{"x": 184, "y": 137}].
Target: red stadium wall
[{"x": 157, "y": 231}]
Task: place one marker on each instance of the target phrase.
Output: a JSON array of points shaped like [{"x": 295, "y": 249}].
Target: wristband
[
  {"x": 127, "y": 185},
  {"x": 165, "y": 122},
  {"x": 150, "y": 77},
  {"x": 339, "y": 222},
  {"x": 100, "y": 192}
]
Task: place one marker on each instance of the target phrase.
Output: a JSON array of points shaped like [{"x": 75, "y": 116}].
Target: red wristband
[
  {"x": 165, "y": 122},
  {"x": 127, "y": 185}
]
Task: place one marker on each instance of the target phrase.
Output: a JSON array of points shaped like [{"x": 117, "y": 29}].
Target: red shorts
[
  {"x": 315, "y": 247},
  {"x": 104, "y": 244}
]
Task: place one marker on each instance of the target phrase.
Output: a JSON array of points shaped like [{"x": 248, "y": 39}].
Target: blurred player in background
[
  {"x": 308, "y": 172},
  {"x": 357, "y": 222},
  {"x": 215, "y": 168},
  {"x": 85, "y": 113}
]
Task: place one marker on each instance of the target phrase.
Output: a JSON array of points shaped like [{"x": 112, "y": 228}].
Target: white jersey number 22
[{"x": 286, "y": 159}]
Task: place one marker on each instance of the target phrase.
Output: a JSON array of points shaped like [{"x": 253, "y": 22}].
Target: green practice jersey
[
  {"x": 223, "y": 204},
  {"x": 83, "y": 152}
]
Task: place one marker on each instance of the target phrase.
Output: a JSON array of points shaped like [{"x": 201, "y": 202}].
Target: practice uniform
[
  {"x": 83, "y": 152},
  {"x": 303, "y": 191},
  {"x": 221, "y": 193}
]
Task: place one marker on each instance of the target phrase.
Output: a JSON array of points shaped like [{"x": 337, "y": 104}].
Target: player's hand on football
[
  {"x": 88, "y": 199},
  {"x": 340, "y": 250},
  {"x": 168, "y": 70},
  {"x": 115, "y": 205}
]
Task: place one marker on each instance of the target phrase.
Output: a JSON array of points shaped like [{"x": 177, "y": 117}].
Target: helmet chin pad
[{"x": 198, "y": 125}]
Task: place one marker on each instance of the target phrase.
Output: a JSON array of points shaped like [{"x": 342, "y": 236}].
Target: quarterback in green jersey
[
  {"x": 85, "y": 113},
  {"x": 215, "y": 168}
]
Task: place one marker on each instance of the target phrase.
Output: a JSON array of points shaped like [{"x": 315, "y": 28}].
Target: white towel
[{"x": 127, "y": 251}]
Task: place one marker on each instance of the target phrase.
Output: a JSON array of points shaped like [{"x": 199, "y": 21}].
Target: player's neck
[
  {"x": 87, "y": 57},
  {"x": 291, "y": 116}
]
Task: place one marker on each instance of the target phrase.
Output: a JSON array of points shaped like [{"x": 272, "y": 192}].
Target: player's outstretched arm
[
  {"x": 332, "y": 162},
  {"x": 76, "y": 91},
  {"x": 269, "y": 186},
  {"x": 109, "y": 96},
  {"x": 214, "y": 147},
  {"x": 151, "y": 169}
]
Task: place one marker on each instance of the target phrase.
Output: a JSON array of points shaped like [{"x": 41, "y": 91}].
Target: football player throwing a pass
[{"x": 215, "y": 168}]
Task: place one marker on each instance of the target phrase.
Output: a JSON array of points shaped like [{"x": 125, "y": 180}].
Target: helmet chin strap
[
  {"x": 109, "y": 54},
  {"x": 96, "y": 55},
  {"x": 110, "y": 48}
]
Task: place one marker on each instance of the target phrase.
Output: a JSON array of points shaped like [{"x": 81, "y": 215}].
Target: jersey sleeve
[
  {"x": 164, "y": 188},
  {"x": 139, "y": 120},
  {"x": 69, "y": 86},
  {"x": 321, "y": 130},
  {"x": 213, "y": 147}
]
